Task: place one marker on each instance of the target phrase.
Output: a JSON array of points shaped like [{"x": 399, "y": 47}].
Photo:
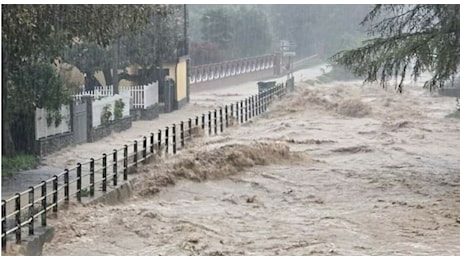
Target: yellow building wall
[{"x": 181, "y": 80}]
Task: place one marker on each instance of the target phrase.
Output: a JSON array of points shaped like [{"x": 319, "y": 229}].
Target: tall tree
[
  {"x": 90, "y": 58},
  {"x": 155, "y": 44},
  {"x": 216, "y": 26},
  {"x": 33, "y": 37},
  {"x": 317, "y": 29},
  {"x": 251, "y": 32},
  {"x": 408, "y": 39}
]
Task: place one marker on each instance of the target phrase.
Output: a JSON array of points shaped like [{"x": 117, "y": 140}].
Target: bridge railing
[{"x": 208, "y": 72}]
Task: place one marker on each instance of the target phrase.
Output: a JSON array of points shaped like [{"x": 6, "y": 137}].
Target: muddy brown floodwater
[{"x": 336, "y": 169}]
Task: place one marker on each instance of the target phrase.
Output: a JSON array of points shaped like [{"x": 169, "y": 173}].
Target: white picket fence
[
  {"x": 41, "y": 125},
  {"x": 98, "y": 92},
  {"x": 141, "y": 96},
  {"x": 98, "y": 107}
]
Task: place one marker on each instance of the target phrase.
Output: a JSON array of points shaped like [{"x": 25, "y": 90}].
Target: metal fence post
[
  {"x": 55, "y": 193},
  {"x": 237, "y": 113},
  {"x": 91, "y": 177},
  {"x": 125, "y": 162},
  {"x": 253, "y": 106},
  {"x": 209, "y": 122},
  {"x": 256, "y": 105},
  {"x": 190, "y": 128},
  {"x": 115, "y": 166},
  {"x": 151, "y": 143},
  {"x": 242, "y": 110},
  {"x": 231, "y": 110},
  {"x": 182, "y": 142},
  {"x": 159, "y": 141},
  {"x": 245, "y": 109},
  {"x": 135, "y": 153},
  {"x": 18, "y": 217},
  {"x": 226, "y": 116},
  {"x": 79, "y": 182},
  {"x": 31, "y": 210},
  {"x": 174, "y": 138},
  {"x": 44, "y": 203},
  {"x": 202, "y": 121},
  {"x": 144, "y": 148},
  {"x": 3, "y": 224},
  {"x": 249, "y": 107},
  {"x": 104, "y": 172},
  {"x": 221, "y": 119},
  {"x": 166, "y": 140},
  {"x": 66, "y": 185},
  {"x": 215, "y": 121}
]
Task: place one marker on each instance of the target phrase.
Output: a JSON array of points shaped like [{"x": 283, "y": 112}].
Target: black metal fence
[{"x": 27, "y": 210}]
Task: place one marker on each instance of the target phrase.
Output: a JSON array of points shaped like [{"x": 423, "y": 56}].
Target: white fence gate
[{"x": 141, "y": 96}]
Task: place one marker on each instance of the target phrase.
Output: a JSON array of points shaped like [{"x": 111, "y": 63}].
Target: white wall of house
[
  {"x": 98, "y": 106},
  {"x": 41, "y": 125}
]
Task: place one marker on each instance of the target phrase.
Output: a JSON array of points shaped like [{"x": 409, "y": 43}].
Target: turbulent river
[{"x": 339, "y": 169}]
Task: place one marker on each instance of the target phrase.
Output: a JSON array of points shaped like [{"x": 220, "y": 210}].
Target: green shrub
[
  {"x": 118, "y": 110},
  {"x": 106, "y": 114},
  {"x": 20, "y": 162},
  {"x": 337, "y": 73},
  {"x": 85, "y": 192},
  {"x": 54, "y": 115}
]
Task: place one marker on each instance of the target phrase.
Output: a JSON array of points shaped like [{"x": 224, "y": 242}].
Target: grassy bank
[{"x": 20, "y": 162}]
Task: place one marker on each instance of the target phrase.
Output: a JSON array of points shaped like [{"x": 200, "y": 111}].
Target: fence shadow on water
[{"x": 24, "y": 212}]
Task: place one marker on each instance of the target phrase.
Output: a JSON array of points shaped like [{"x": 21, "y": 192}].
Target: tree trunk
[
  {"x": 115, "y": 66},
  {"x": 90, "y": 81},
  {"x": 126, "y": 76},
  {"x": 7, "y": 140},
  {"x": 108, "y": 76},
  {"x": 8, "y": 148}
]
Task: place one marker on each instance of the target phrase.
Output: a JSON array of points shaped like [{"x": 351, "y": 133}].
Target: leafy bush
[
  {"x": 54, "y": 116},
  {"x": 118, "y": 110},
  {"x": 338, "y": 73},
  {"x": 106, "y": 114}
]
